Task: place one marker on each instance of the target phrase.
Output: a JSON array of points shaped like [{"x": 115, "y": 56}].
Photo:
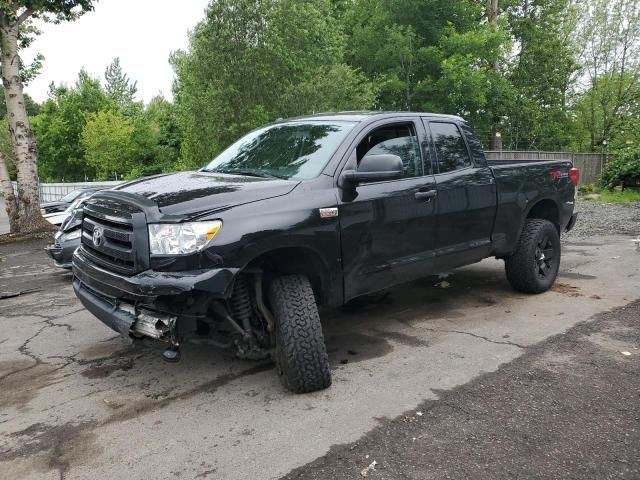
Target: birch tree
[
  {"x": 610, "y": 36},
  {"x": 16, "y": 31}
]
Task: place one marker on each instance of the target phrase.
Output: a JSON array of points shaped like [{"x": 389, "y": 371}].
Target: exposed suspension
[
  {"x": 242, "y": 311},
  {"x": 241, "y": 303}
]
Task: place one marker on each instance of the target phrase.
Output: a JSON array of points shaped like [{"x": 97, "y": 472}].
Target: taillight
[{"x": 574, "y": 175}]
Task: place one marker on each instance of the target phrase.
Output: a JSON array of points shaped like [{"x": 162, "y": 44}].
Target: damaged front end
[
  {"x": 235, "y": 318},
  {"x": 171, "y": 298}
]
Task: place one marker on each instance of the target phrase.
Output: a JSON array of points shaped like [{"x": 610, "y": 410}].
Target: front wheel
[
  {"x": 300, "y": 355},
  {"x": 534, "y": 265}
]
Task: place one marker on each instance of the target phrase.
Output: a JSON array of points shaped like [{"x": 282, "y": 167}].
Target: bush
[
  {"x": 623, "y": 169},
  {"x": 587, "y": 188}
]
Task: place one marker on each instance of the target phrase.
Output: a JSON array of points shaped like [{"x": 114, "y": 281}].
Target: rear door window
[{"x": 451, "y": 149}]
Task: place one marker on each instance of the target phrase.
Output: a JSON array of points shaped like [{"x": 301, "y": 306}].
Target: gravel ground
[
  {"x": 568, "y": 408},
  {"x": 606, "y": 219}
]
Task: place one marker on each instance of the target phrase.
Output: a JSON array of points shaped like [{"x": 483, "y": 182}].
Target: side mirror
[{"x": 374, "y": 168}]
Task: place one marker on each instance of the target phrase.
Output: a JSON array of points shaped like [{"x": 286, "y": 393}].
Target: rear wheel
[
  {"x": 300, "y": 355},
  {"x": 534, "y": 266}
]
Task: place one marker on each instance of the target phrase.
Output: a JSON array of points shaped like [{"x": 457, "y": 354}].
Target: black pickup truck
[{"x": 313, "y": 212}]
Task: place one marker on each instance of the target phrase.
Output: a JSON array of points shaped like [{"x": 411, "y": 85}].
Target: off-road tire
[
  {"x": 522, "y": 266},
  {"x": 300, "y": 354}
]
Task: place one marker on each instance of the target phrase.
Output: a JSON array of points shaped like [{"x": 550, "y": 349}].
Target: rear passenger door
[{"x": 466, "y": 196}]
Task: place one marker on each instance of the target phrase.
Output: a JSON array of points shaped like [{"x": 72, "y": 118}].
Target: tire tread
[{"x": 301, "y": 353}]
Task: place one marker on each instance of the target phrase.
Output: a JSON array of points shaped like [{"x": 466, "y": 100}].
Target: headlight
[
  {"x": 72, "y": 235},
  {"x": 181, "y": 238}
]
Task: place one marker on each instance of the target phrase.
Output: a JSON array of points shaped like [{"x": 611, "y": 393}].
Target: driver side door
[{"x": 388, "y": 227}]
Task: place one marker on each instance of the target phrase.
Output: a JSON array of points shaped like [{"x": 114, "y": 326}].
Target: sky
[{"x": 142, "y": 33}]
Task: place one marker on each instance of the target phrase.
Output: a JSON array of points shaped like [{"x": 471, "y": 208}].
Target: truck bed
[{"x": 518, "y": 182}]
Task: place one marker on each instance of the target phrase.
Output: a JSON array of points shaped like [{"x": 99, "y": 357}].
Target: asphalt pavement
[
  {"x": 568, "y": 408},
  {"x": 78, "y": 402}
]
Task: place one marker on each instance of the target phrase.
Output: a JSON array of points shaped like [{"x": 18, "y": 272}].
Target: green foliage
[
  {"x": 59, "y": 125},
  {"x": 602, "y": 118},
  {"x": 624, "y": 167},
  {"x": 549, "y": 74},
  {"x": 609, "y": 35},
  {"x": 249, "y": 62},
  {"x": 74, "y": 123},
  {"x": 468, "y": 84},
  {"x": 542, "y": 74},
  {"x": 33, "y": 108},
  {"x": 164, "y": 137},
  {"x": 48, "y": 10},
  {"x": 616, "y": 195},
  {"x": 109, "y": 146},
  {"x": 587, "y": 189},
  {"x": 119, "y": 88},
  {"x": 318, "y": 93}
]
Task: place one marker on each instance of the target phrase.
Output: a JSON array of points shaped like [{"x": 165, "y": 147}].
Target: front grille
[{"x": 117, "y": 250}]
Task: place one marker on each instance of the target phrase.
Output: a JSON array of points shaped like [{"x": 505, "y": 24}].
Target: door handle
[{"x": 428, "y": 195}]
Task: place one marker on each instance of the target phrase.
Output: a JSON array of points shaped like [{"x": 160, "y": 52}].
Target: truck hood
[{"x": 197, "y": 193}]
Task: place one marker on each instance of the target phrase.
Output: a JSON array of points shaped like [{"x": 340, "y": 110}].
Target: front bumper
[
  {"x": 150, "y": 284},
  {"x": 62, "y": 254},
  {"x": 168, "y": 293},
  {"x": 104, "y": 309}
]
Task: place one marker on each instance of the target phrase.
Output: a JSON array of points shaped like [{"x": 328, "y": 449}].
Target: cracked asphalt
[{"x": 77, "y": 401}]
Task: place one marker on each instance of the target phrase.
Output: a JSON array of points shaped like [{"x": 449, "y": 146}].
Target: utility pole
[{"x": 492, "y": 18}]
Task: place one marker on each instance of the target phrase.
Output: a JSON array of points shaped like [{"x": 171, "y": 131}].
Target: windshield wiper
[{"x": 248, "y": 173}]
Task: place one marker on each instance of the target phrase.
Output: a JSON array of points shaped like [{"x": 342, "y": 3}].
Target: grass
[{"x": 591, "y": 192}]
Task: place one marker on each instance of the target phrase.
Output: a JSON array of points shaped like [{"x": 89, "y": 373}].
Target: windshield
[
  {"x": 287, "y": 150},
  {"x": 71, "y": 196}
]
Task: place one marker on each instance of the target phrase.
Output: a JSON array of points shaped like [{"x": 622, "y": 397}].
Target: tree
[
  {"x": 623, "y": 169},
  {"x": 396, "y": 44},
  {"x": 543, "y": 73},
  {"x": 118, "y": 85},
  {"x": 59, "y": 125},
  {"x": 609, "y": 35},
  {"x": 16, "y": 32},
  {"x": 108, "y": 142},
  {"x": 318, "y": 93},
  {"x": 161, "y": 118},
  {"x": 246, "y": 60}
]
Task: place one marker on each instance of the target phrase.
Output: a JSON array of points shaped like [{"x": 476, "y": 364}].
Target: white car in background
[{"x": 57, "y": 218}]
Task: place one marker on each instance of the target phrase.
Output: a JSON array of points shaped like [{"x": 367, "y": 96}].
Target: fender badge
[{"x": 329, "y": 212}]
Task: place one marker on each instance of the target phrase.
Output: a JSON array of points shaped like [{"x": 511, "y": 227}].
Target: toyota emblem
[{"x": 98, "y": 236}]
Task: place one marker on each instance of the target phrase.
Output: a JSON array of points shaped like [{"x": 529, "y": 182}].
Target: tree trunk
[
  {"x": 27, "y": 205},
  {"x": 9, "y": 197}
]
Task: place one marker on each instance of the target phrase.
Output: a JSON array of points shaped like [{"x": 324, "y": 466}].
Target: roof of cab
[{"x": 360, "y": 116}]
